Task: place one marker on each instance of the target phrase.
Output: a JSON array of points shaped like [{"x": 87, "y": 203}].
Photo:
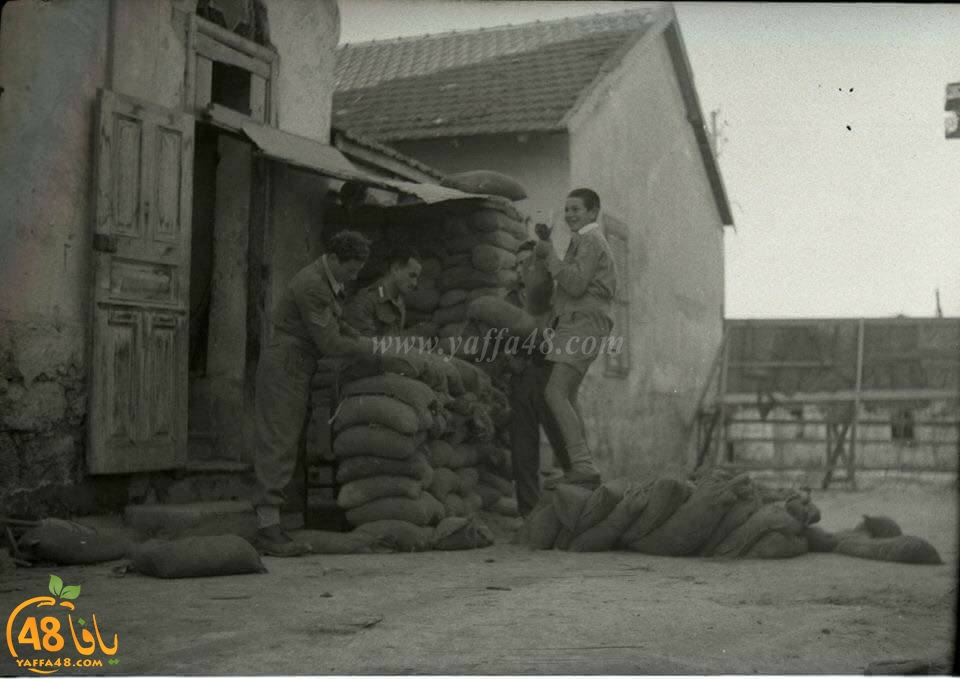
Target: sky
[{"x": 845, "y": 192}]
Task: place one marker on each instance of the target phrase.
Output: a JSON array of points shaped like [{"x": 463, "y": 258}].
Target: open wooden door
[{"x": 141, "y": 259}]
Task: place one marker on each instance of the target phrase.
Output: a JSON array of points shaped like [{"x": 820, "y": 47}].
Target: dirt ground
[{"x": 508, "y": 610}]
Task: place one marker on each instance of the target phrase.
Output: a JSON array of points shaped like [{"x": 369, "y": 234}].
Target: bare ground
[{"x": 508, "y": 610}]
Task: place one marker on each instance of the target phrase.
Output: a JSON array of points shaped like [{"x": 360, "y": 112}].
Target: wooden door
[{"x": 141, "y": 259}]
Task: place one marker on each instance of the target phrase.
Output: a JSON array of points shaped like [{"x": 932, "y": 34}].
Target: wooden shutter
[{"x": 141, "y": 261}]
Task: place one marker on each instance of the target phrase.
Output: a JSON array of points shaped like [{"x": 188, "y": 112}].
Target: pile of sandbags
[{"x": 716, "y": 514}]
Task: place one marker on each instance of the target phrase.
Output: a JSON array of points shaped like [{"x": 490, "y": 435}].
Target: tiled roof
[{"x": 505, "y": 79}]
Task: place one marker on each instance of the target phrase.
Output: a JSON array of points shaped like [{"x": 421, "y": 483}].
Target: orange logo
[{"x": 44, "y": 634}]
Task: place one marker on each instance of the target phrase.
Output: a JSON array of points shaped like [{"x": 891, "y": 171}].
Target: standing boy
[{"x": 586, "y": 282}]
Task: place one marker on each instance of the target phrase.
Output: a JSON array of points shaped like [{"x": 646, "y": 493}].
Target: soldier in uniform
[
  {"x": 306, "y": 327},
  {"x": 528, "y": 405},
  {"x": 378, "y": 310}
]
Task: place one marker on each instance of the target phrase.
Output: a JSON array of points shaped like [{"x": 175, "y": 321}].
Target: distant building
[{"x": 606, "y": 101}]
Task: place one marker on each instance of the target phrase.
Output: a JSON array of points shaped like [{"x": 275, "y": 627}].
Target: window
[
  {"x": 617, "y": 359},
  {"x": 231, "y": 78}
]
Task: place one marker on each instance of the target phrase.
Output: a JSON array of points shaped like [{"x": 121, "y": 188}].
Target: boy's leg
[
  {"x": 561, "y": 390},
  {"x": 547, "y": 419}
]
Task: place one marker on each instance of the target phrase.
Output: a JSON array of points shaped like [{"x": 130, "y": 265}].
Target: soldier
[
  {"x": 378, "y": 310},
  {"x": 306, "y": 327},
  {"x": 528, "y": 405}
]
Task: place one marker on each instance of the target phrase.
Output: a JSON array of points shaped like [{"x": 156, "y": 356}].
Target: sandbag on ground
[
  {"x": 424, "y": 511},
  {"x": 69, "y": 543},
  {"x": 879, "y": 527},
  {"x": 376, "y": 410},
  {"x": 901, "y": 548},
  {"x": 402, "y": 536},
  {"x": 542, "y": 525},
  {"x": 197, "y": 557},
  {"x": 454, "y": 533},
  {"x": 606, "y": 534},
  {"x": 778, "y": 545},
  {"x": 665, "y": 498},
  {"x": 770, "y": 518},
  {"x": 363, "y": 491},
  {"x": 354, "y": 468},
  {"x": 331, "y": 542},
  {"x": 598, "y": 506},
  {"x": 364, "y": 441},
  {"x": 688, "y": 528},
  {"x": 747, "y": 505}
]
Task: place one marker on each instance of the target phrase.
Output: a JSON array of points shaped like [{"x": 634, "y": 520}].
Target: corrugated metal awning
[{"x": 309, "y": 154}]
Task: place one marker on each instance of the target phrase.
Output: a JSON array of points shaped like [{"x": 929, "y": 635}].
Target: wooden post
[
  {"x": 722, "y": 392},
  {"x": 852, "y": 456}
]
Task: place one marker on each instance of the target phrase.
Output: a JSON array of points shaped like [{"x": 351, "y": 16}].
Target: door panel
[{"x": 138, "y": 413}]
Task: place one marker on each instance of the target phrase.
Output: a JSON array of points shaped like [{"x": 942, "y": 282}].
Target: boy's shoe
[{"x": 274, "y": 541}]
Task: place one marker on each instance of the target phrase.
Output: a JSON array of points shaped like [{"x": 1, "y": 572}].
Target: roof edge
[
  {"x": 691, "y": 100},
  {"x": 654, "y": 7}
]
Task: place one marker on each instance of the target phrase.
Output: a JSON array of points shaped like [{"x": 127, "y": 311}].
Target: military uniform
[
  {"x": 372, "y": 313},
  {"x": 529, "y": 412},
  {"x": 306, "y": 327}
]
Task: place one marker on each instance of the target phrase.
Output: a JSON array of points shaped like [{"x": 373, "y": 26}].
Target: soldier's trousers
[
  {"x": 282, "y": 400},
  {"x": 529, "y": 411}
]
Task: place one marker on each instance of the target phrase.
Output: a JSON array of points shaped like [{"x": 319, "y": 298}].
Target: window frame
[
  {"x": 208, "y": 43},
  {"x": 619, "y": 365}
]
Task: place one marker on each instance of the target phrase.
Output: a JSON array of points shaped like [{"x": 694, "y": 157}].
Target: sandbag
[
  {"x": 506, "y": 506},
  {"x": 426, "y": 328},
  {"x": 455, "y": 533},
  {"x": 376, "y": 410},
  {"x": 486, "y": 182},
  {"x": 454, "y": 505},
  {"x": 507, "y": 278},
  {"x": 477, "y": 293},
  {"x": 372, "y": 441},
  {"x": 402, "y": 536},
  {"x": 819, "y": 540},
  {"x": 464, "y": 455},
  {"x": 490, "y": 496},
  {"x": 901, "y": 548},
  {"x": 601, "y": 502},
  {"x": 459, "y": 259},
  {"x": 778, "y": 545},
  {"x": 469, "y": 478},
  {"x": 499, "y": 313},
  {"x": 473, "y": 502},
  {"x": 422, "y": 299},
  {"x": 879, "y": 527},
  {"x": 569, "y": 501},
  {"x": 501, "y": 239},
  {"x": 440, "y": 454},
  {"x": 666, "y": 496},
  {"x": 691, "y": 525},
  {"x": 362, "y": 491},
  {"x": 451, "y": 314},
  {"x": 445, "y": 481},
  {"x": 491, "y": 220},
  {"x": 452, "y": 297},
  {"x": 491, "y": 259},
  {"x": 466, "y": 277},
  {"x": 772, "y": 517},
  {"x": 416, "y": 467},
  {"x": 431, "y": 266},
  {"x": 69, "y": 543},
  {"x": 197, "y": 557},
  {"x": 606, "y": 534},
  {"x": 414, "y": 393},
  {"x": 424, "y": 511},
  {"x": 745, "y": 507},
  {"x": 542, "y": 525}
]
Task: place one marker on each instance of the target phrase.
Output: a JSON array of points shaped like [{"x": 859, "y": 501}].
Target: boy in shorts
[{"x": 582, "y": 318}]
